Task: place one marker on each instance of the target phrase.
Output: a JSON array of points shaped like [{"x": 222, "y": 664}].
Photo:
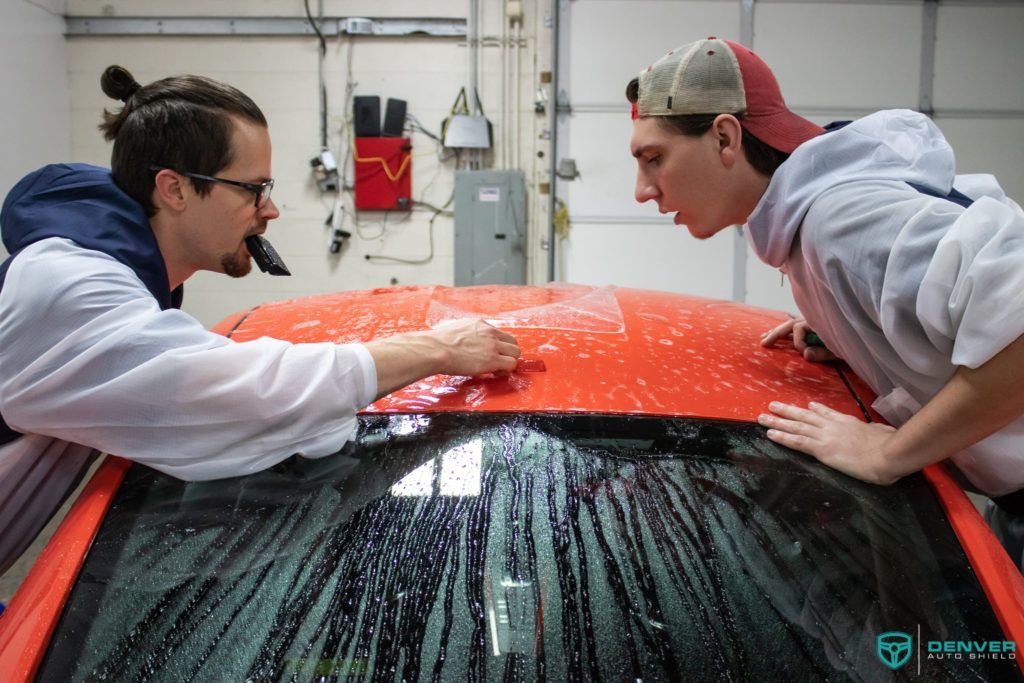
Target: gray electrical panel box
[{"x": 490, "y": 228}]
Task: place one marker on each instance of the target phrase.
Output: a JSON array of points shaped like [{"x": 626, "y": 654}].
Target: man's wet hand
[
  {"x": 475, "y": 347},
  {"x": 836, "y": 439}
]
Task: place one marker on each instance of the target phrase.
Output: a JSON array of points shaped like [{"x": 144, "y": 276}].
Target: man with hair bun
[
  {"x": 910, "y": 273},
  {"x": 96, "y": 355}
]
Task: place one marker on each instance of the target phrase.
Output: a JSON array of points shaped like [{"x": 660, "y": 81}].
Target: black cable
[
  {"x": 853, "y": 392},
  {"x": 417, "y": 125},
  {"x": 415, "y": 262},
  {"x": 323, "y": 88},
  {"x": 430, "y": 232},
  {"x": 316, "y": 27},
  {"x": 430, "y": 206}
]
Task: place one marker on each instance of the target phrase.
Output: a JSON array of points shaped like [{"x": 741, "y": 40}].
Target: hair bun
[{"x": 118, "y": 83}]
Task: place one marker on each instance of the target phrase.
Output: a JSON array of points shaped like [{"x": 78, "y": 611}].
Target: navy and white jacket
[{"x": 95, "y": 356}]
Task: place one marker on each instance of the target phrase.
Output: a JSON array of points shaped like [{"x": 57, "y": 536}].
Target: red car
[{"x": 610, "y": 511}]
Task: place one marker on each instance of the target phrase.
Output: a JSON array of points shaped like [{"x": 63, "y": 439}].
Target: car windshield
[{"x": 520, "y": 547}]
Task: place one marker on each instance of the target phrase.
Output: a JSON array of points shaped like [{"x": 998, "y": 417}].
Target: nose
[
  {"x": 645, "y": 188},
  {"x": 269, "y": 211}
]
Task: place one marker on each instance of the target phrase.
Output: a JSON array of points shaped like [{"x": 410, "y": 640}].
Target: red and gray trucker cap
[{"x": 716, "y": 76}]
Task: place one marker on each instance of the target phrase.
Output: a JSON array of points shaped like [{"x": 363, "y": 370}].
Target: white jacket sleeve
[
  {"x": 88, "y": 357},
  {"x": 973, "y": 289}
]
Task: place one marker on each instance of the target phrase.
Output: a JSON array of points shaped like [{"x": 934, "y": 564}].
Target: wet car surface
[
  {"x": 611, "y": 514},
  {"x": 519, "y": 547}
]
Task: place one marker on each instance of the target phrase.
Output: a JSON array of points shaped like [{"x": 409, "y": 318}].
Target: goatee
[{"x": 236, "y": 265}]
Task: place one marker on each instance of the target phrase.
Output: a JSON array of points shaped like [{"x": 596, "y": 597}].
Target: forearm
[
  {"x": 973, "y": 404},
  {"x": 92, "y": 360},
  {"x": 196, "y": 411},
  {"x": 404, "y": 359},
  {"x": 463, "y": 347}
]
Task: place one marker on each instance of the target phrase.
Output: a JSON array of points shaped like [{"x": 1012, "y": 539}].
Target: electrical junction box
[
  {"x": 490, "y": 228},
  {"x": 383, "y": 174}
]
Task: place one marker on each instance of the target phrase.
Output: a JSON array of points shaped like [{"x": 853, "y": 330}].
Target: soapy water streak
[{"x": 608, "y": 549}]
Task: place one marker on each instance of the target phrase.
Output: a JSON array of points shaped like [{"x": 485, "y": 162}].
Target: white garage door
[{"x": 834, "y": 60}]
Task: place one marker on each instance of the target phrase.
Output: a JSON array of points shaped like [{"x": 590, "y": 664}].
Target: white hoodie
[{"x": 901, "y": 285}]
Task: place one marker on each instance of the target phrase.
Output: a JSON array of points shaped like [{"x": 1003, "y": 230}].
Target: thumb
[{"x": 818, "y": 354}]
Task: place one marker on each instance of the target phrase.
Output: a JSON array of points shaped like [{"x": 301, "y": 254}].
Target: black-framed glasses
[{"x": 261, "y": 190}]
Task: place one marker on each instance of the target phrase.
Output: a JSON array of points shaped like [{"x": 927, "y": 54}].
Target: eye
[{"x": 653, "y": 160}]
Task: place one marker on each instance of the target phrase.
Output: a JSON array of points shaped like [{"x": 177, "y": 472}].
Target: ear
[
  {"x": 168, "y": 190},
  {"x": 728, "y": 135}
]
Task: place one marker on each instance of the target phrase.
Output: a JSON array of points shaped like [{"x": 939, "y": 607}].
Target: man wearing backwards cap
[{"x": 907, "y": 271}]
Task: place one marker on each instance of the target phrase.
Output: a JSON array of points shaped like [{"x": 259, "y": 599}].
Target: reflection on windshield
[
  {"x": 497, "y": 547},
  {"x": 456, "y": 473}
]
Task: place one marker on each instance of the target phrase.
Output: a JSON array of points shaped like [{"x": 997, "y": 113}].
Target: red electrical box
[{"x": 383, "y": 173}]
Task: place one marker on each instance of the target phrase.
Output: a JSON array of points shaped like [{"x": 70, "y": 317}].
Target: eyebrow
[{"x": 639, "y": 151}]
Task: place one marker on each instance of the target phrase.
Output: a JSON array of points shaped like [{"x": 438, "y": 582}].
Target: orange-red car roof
[{"x": 605, "y": 350}]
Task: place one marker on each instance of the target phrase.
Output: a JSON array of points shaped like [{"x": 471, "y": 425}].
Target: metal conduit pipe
[
  {"x": 517, "y": 90},
  {"x": 473, "y": 48},
  {"x": 553, "y": 163},
  {"x": 503, "y": 122}
]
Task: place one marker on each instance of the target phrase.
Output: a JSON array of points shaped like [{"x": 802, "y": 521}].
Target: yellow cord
[
  {"x": 384, "y": 163},
  {"x": 561, "y": 219}
]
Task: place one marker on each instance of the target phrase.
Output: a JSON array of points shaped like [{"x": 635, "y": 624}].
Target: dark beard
[{"x": 236, "y": 265}]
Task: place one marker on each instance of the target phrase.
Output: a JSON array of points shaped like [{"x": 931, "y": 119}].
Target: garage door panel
[
  {"x": 599, "y": 142},
  {"x": 834, "y": 60},
  {"x": 611, "y": 40},
  {"x": 970, "y": 43},
  {"x": 858, "y": 55},
  {"x": 989, "y": 146},
  {"x": 649, "y": 257}
]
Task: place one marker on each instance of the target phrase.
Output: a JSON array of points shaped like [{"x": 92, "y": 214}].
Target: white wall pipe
[
  {"x": 504, "y": 120},
  {"x": 517, "y": 90}
]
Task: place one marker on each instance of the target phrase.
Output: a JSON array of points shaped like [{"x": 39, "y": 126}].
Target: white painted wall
[
  {"x": 280, "y": 74},
  {"x": 35, "y": 126},
  {"x": 834, "y": 60}
]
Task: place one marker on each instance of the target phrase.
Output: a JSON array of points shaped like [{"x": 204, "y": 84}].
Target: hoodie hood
[
  {"x": 899, "y": 145},
  {"x": 82, "y": 203}
]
